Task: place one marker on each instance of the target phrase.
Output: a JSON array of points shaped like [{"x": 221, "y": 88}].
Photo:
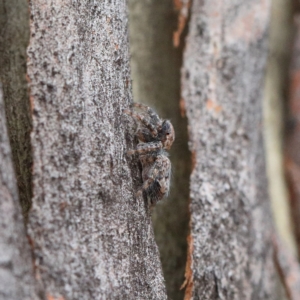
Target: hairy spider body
[{"x": 155, "y": 137}]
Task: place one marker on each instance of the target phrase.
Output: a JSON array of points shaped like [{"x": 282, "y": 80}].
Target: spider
[{"x": 155, "y": 137}]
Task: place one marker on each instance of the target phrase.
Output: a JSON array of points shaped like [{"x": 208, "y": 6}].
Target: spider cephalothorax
[
  {"x": 155, "y": 136},
  {"x": 166, "y": 135}
]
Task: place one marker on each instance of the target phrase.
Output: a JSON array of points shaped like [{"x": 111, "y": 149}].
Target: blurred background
[{"x": 155, "y": 67}]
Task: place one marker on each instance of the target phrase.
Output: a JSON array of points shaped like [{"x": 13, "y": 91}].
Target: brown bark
[
  {"x": 16, "y": 272},
  {"x": 156, "y": 81},
  {"x": 222, "y": 78},
  {"x": 92, "y": 238}
]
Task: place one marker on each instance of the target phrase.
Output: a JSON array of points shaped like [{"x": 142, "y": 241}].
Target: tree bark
[
  {"x": 92, "y": 238},
  {"x": 16, "y": 272},
  {"x": 156, "y": 67},
  {"x": 231, "y": 255}
]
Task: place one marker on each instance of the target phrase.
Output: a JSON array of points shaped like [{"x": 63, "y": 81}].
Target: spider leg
[
  {"x": 144, "y": 135},
  {"x": 163, "y": 174},
  {"x": 143, "y": 120},
  {"x": 157, "y": 180},
  {"x": 144, "y": 148},
  {"x": 151, "y": 174},
  {"x": 145, "y": 186},
  {"x": 153, "y": 115}
]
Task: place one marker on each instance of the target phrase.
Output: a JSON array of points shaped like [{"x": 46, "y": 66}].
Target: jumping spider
[{"x": 155, "y": 137}]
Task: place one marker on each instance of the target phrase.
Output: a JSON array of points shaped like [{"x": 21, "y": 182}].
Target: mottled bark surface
[
  {"x": 156, "y": 81},
  {"x": 222, "y": 77},
  {"x": 14, "y": 38},
  {"x": 92, "y": 238},
  {"x": 16, "y": 270}
]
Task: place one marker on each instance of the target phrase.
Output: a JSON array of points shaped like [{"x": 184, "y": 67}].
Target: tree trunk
[
  {"x": 16, "y": 272},
  {"x": 231, "y": 256},
  {"x": 92, "y": 238}
]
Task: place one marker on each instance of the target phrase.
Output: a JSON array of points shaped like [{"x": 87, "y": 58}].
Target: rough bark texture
[
  {"x": 92, "y": 238},
  {"x": 156, "y": 81},
  {"x": 293, "y": 134},
  {"x": 222, "y": 77},
  {"x": 16, "y": 272},
  {"x": 275, "y": 94},
  {"x": 14, "y": 38}
]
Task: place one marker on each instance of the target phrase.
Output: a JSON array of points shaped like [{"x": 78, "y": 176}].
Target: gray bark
[
  {"x": 156, "y": 67},
  {"x": 92, "y": 237},
  {"x": 16, "y": 272},
  {"x": 14, "y": 38},
  {"x": 222, "y": 79}
]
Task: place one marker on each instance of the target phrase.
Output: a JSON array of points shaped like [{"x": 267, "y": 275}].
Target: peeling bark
[
  {"x": 16, "y": 272},
  {"x": 222, "y": 80},
  {"x": 183, "y": 7},
  {"x": 92, "y": 239}
]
